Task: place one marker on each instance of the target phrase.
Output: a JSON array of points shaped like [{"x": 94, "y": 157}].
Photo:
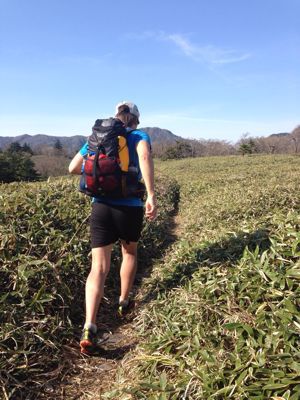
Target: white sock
[{"x": 91, "y": 326}]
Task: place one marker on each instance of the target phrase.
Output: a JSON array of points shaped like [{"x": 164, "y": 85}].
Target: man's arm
[
  {"x": 75, "y": 164},
  {"x": 147, "y": 169}
]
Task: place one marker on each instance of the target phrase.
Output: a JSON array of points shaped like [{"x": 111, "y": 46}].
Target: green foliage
[
  {"x": 221, "y": 315},
  {"x": 44, "y": 261},
  {"x": 15, "y": 147},
  {"x": 16, "y": 166},
  {"x": 224, "y": 320},
  {"x": 57, "y": 145},
  {"x": 247, "y": 147},
  {"x": 179, "y": 150},
  {"x": 27, "y": 149}
]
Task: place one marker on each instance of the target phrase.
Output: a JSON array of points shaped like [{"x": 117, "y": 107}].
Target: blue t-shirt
[{"x": 133, "y": 138}]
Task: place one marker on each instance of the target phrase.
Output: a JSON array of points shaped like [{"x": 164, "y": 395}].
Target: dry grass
[{"x": 223, "y": 321}]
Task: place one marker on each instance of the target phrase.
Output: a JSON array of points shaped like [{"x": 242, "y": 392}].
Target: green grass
[
  {"x": 44, "y": 262},
  {"x": 224, "y": 319},
  {"x": 221, "y": 316}
]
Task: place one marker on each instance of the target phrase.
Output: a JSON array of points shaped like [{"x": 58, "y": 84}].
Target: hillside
[
  {"x": 44, "y": 258},
  {"x": 223, "y": 321},
  {"x": 217, "y": 296}
]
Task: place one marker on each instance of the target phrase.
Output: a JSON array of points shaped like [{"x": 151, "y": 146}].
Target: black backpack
[{"x": 106, "y": 170}]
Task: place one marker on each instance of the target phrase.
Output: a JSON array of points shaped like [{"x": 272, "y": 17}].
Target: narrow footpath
[{"x": 95, "y": 375}]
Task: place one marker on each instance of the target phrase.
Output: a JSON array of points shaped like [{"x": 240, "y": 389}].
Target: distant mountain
[
  {"x": 279, "y": 134},
  {"x": 159, "y": 135},
  {"x": 70, "y": 143},
  {"x": 73, "y": 143}
]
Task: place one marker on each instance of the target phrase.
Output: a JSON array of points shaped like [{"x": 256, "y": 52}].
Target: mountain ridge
[{"x": 73, "y": 143}]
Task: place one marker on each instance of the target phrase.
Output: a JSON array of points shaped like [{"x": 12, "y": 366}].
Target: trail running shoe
[
  {"x": 88, "y": 341},
  {"x": 125, "y": 307}
]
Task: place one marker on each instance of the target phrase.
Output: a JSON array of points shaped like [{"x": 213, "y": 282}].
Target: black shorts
[{"x": 109, "y": 223}]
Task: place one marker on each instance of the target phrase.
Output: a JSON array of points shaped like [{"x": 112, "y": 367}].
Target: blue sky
[{"x": 204, "y": 69}]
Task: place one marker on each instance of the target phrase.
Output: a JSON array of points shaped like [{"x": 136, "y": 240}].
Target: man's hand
[
  {"x": 151, "y": 208},
  {"x": 147, "y": 169}
]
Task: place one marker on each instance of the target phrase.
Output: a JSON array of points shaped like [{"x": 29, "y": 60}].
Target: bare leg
[
  {"x": 94, "y": 287},
  {"x": 128, "y": 268}
]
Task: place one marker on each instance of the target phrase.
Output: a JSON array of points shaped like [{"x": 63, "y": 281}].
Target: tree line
[
  {"x": 21, "y": 163},
  {"x": 274, "y": 144},
  {"x": 17, "y": 163}
]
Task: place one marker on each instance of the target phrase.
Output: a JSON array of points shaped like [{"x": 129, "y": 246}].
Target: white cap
[{"x": 132, "y": 108}]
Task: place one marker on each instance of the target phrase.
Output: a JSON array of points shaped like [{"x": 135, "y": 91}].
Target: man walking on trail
[{"x": 115, "y": 219}]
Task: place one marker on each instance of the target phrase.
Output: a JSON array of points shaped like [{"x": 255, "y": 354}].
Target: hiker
[{"x": 115, "y": 219}]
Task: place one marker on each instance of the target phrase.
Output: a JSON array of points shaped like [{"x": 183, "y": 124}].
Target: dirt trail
[{"x": 96, "y": 375}]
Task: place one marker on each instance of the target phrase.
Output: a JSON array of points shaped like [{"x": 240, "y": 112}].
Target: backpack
[{"x": 106, "y": 170}]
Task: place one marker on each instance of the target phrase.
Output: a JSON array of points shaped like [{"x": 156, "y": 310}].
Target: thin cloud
[{"x": 208, "y": 54}]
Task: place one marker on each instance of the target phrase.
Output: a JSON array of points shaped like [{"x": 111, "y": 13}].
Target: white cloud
[{"x": 208, "y": 53}]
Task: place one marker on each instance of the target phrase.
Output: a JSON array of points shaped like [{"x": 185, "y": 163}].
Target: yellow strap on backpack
[{"x": 123, "y": 154}]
